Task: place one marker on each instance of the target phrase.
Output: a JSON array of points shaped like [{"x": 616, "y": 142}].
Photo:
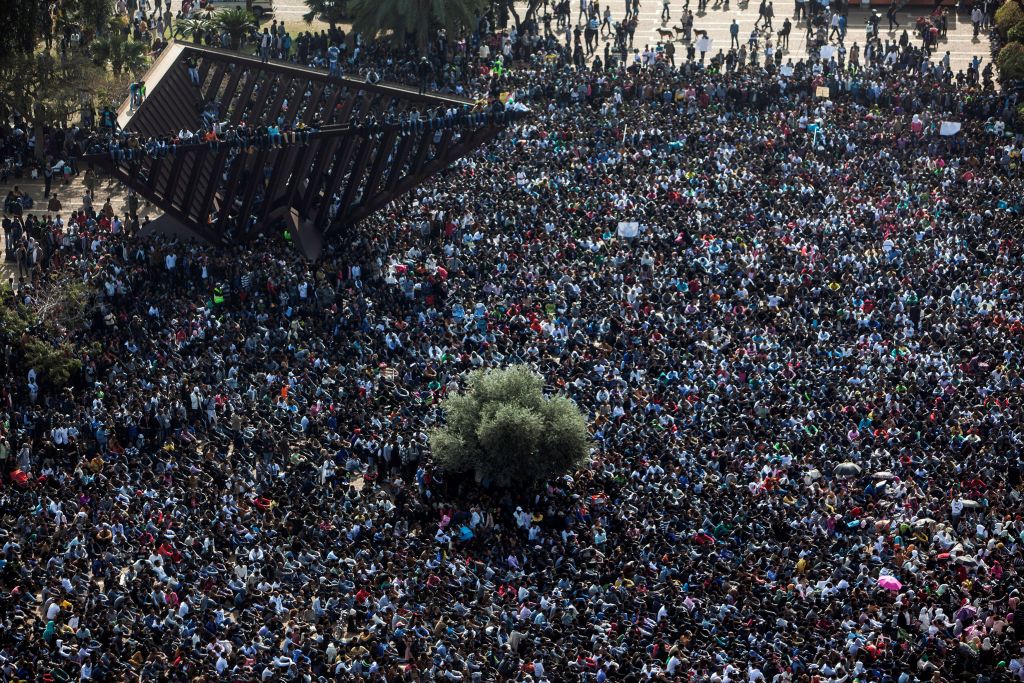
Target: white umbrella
[
  {"x": 885, "y": 474},
  {"x": 970, "y": 504},
  {"x": 924, "y": 521}
]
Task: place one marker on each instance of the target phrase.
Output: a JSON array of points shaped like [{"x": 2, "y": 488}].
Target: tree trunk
[
  {"x": 515, "y": 15},
  {"x": 531, "y": 10},
  {"x": 39, "y": 114}
]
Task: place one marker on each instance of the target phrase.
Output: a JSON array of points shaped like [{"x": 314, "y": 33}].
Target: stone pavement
[{"x": 959, "y": 41}]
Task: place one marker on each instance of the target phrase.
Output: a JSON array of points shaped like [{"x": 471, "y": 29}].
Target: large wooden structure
[{"x": 342, "y": 172}]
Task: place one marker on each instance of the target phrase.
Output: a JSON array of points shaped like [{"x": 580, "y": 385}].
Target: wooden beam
[
  {"x": 255, "y": 183},
  {"x": 401, "y": 155},
  {"x": 227, "y": 199},
  {"x": 384, "y": 151},
  {"x": 358, "y": 168},
  {"x": 451, "y": 155}
]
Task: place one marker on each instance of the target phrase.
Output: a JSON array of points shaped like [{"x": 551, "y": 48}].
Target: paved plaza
[{"x": 959, "y": 41}]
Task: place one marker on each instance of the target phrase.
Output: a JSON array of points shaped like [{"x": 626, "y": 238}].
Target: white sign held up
[
  {"x": 628, "y": 229},
  {"x": 948, "y": 128}
]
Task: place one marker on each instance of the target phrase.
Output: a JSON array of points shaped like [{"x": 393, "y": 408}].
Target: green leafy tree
[
  {"x": 506, "y": 432},
  {"x": 131, "y": 58},
  {"x": 237, "y": 23},
  {"x": 1010, "y": 61},
  {"x": 29, "y": 22},
  {"x": 194, "y": 29},
  {"x": 417, "y": 18},
  {"x": 42, "y": 332},
  {"x": 1009, "y": 15},
  {"x": 39, "y": 86},
  {"x": 25, "y": 22},
  {"x": 1016, "y": 34},
  {"x": 55, "y": 362},
  {"x": 46, "y": 90},
  {"x": 90, "y": 16},
  {"x": 123, "y": 55},
  {"x": 331, "y": 12}
]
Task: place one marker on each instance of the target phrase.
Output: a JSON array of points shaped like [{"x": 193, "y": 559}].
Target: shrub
[
  {"x": 42, "y": 331},
  {"x": 1011, "y": 62},
  {"x": 506, "y": 432},
  {"x": 237, "y": 23},
  {"x": 1016, "y": 34},
  {"x": 55, "y": 364},
  {"x": 1011, "y": 14}
]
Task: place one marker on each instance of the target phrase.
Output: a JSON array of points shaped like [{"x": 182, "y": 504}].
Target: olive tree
[{"x": 506, "y": 432}]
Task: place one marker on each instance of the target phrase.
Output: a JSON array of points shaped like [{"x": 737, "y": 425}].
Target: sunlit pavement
[{"x": 959, "y": 40}]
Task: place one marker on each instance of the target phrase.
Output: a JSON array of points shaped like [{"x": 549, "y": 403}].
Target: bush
[
  {"x": 237, "y": 23},
  {"x": 506, "y": 432},
  {"x": 1008, "y": 16},
  {"x": 1016, "y": 34},
  {"x": 42, "y": 332},
  {"x": 1011, "y": 62},
  {"x": 55, "y": 364}
]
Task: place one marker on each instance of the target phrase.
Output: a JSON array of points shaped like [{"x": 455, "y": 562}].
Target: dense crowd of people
[{"x": 786, "y": 297}]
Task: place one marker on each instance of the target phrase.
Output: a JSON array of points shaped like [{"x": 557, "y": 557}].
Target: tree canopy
[
  {"x": 46, "y": 87},
  {"x": 236, "y": 22},
  {"x": 41, "y": 330},
  {"x": 331, "y": 12},
  {"x": 1010, "y": 60},
  {"x": 122, "y": 54},
  {"x": 419, "y": 19},
  {"x": 506, "y": 432}
]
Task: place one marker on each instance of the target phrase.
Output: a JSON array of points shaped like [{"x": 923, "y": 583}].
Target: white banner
[
  {"x": 628, "y": 229},
  {"x": 949, "y": 128}
]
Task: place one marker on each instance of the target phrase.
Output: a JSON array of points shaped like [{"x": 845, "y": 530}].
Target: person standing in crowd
[{"x": 266, "y": 42}]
